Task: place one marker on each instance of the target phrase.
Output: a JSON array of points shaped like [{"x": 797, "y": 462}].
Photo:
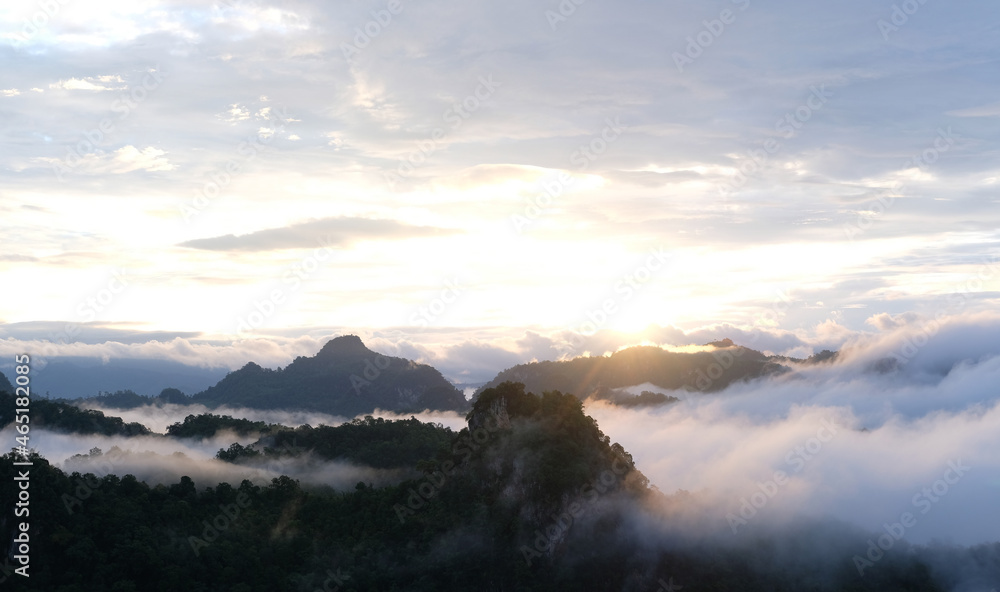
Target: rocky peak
[{"x": 345, "y": 345}]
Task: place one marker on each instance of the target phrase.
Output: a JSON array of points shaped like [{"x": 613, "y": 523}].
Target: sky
[{"x": 469, "y": 184}]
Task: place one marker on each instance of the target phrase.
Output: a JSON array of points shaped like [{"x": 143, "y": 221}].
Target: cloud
[
  {"x": 686, "y": 133},
  {"x": 859, "y": 447},
  {"x": 126, "y": 159},
  {"x": 161, "y": 460},
  {"x": 990, "y": 110},
  {"x": 330, "y": 232},
  {"x": 88, "y": 333},
  {"x": 18, "y": 258},
  {"x": 236, "y": 114},
  {"x": 94, "y": 83}
]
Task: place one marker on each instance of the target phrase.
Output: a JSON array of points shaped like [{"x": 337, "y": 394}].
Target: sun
[{"x": 630, "y": 321}]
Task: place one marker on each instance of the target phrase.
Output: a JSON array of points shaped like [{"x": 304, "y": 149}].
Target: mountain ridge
[
  {"x": 603, "y": 377},
  {"x": 343, "y": 378}
]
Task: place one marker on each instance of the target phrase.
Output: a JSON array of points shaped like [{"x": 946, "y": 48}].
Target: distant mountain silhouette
[
  {"x": 81, "y": 377},
  {"x": 344, "y": 378},
  {"x": 598, "y": 377},
  {"x": 5, "y": 385}
]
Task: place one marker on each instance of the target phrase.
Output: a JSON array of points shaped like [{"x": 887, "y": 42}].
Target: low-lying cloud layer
[
  {"x": 157, "y": 418},
  {"x": 860, "y": 439},
  {"x": 160, "y": 460}
]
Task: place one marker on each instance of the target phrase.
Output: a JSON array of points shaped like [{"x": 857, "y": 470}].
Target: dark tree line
[{"x": 480, "y": 518}]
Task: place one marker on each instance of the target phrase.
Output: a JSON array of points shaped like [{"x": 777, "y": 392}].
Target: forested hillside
[
  {"x": 64, "y": 417},
  {"x": 530, "y": 496}
]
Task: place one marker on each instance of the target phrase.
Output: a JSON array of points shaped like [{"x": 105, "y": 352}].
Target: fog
[
  {"x": 860, "y": 440},
  {"x": 158, "y": 418},
  {"x": 163, "y": 460}
]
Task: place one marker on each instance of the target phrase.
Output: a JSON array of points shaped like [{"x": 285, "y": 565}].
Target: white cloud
[
  {"x": 893, "y": 435},
  {"x": 126, "y": 159},
  {"x": 235, "y": 114},
  {"x": 94, "y": 83}
]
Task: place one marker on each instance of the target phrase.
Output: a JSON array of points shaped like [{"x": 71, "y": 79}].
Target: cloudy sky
[{"x": 489, "y": 175}]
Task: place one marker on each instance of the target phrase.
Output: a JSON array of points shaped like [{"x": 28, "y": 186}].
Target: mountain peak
[{"x": 344, "y": 345}]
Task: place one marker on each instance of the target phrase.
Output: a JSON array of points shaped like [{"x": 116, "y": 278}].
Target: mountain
[
  {"x": 78, "y": 377},
  {"x": 344, "y": 378},
  {"x": 599, "y": 377},
  {"x": 5, "y": 385}
]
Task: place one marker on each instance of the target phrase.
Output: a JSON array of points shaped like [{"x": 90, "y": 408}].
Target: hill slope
[
  {"x": 64, "y": 417},
  {"x": 531, "y": 496},
  {"x": 597, "y": 377},
  {"x": 344, "y": 378}
]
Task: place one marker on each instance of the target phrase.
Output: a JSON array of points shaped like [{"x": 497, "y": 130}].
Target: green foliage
[
  {"x": 125, "y": 399},
  {"x": 5, "y": 385},
  {"x": 207, "y": 425},
  {"x": 63, "y": 417},
  {"x": 236, "y": 452},
  {"x": 172, "y": 395},
  {"x": 373, "y": 442},
  {"x": 645, "y": 399},
  {"x": 493, "y": 491}
]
